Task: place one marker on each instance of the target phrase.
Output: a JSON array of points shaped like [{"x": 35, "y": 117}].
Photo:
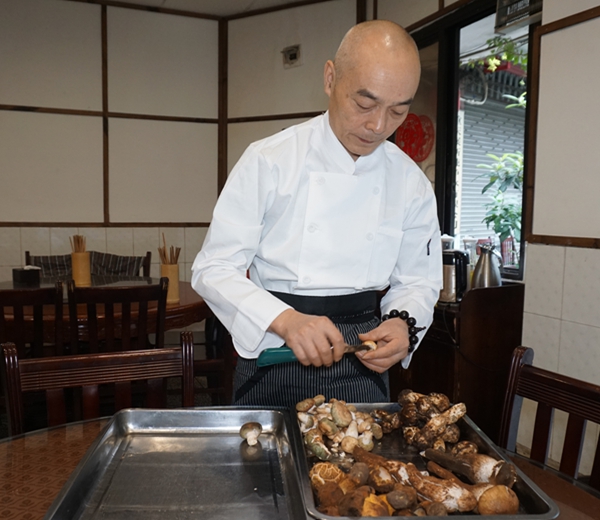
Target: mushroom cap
[{"x": 250, "y": 431}]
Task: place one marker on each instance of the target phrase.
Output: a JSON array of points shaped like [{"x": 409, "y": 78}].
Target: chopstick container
[
  {"x": 80, "y": 263},
  {"x": 171, "y": 271}
]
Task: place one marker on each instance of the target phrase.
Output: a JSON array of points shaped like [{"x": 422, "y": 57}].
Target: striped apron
[{"x": 286, "y": 384}]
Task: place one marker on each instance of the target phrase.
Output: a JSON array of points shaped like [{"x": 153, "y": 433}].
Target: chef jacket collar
[{"x": 336, "y": 158}]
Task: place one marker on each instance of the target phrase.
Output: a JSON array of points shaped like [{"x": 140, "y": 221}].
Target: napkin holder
[{"x": 28, "y": 276}]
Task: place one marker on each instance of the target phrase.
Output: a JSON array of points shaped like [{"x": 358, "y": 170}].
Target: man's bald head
[
  {"x": 371, "y": 84},
  {"x": 372, "y": 40}
]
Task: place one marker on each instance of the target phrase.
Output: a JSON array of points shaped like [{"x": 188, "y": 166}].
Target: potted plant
[{"x": 504, "y": 215}]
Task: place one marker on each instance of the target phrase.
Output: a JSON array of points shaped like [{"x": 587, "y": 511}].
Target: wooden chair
[
  {"x": 551, "y": 391},
  {"x": 28, "y": 336},
  {"x": 218, "y": 366},
  {"x": 109, "y": 264},
  {"x": 54, "y": 375},
  {"x": 118, "y": 317}
]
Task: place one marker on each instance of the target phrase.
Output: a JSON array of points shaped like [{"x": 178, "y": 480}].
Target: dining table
[
  {"x": 35, "y": 466},
  {"x": 190, "y": 308}
]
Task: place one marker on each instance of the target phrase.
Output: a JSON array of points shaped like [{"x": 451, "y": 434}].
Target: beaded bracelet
[{"x": 412, "y": 326}]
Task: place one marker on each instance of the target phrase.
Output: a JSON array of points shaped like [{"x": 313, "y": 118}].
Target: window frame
[{"x": 446, "y": 32}]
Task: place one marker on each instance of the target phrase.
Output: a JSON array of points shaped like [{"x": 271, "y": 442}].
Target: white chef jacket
[{"x": 300, "y": 216}]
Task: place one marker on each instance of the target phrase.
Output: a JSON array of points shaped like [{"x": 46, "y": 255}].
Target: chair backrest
[
  {"x": 53, "y": 375},
  {"x": 109, "y": 264},
  {"x": 117, "y": 317},
  {"x": 32, "y": 319},
  {"x": 51, "y": 265},
  {"x": 551, "y": 391},
  {"x": 218, "y": 364}
]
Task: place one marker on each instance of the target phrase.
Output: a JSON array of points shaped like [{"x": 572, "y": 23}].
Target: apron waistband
[{"x": 346, "y": 308}]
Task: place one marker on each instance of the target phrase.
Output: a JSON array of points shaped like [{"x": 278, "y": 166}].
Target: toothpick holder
[
  {"x": 80, "y": 265},
  {"x": 171, "y": 271}
]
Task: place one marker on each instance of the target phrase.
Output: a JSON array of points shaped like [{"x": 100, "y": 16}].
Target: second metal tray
[
  {"x": 185, "y": 464},
  {"x": 535, "y": 504}
]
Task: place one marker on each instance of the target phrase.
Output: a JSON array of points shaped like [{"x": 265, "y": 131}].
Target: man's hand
[
  {"x": 315, "y": 340},
  {"x": 392, "y": 345}
]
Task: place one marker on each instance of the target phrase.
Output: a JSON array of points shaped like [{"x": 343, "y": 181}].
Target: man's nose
[{"x": 377, "y": 121}]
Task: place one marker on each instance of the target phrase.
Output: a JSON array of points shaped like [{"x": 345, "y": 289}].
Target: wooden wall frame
[
  {"x": 221, "y": 121},
  {"x": 530, "y": 156}
]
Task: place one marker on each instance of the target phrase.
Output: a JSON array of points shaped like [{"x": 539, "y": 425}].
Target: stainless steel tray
[
  {"x": 535, "y": 504},
  {"x": 185, "y": 464}
]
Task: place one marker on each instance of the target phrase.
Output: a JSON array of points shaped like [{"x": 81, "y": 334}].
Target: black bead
[
  {"x": 411, "y": 349},
  {"x": 385, "y": 317},
  {"x": 413, "y": 330},
  {"x": 404, "y": 315},
  {"x": 411, "y": 322},
  {"x": 413, "y": 340},
  {"x": 394, "y": 313}
]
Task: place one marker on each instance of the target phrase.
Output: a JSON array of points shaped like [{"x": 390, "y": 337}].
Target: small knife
[{"x": 274, "y": 356}]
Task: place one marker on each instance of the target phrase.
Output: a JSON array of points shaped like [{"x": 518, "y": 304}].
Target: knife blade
[{"x": 275, "y": 356}]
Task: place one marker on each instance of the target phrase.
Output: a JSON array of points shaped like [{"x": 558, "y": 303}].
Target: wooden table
[
  {"x": 34, "y": 467},
  {"x": 190, "y": 309}
]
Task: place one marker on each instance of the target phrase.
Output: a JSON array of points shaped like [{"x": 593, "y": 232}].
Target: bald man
[{"x": 315, "y": 223}]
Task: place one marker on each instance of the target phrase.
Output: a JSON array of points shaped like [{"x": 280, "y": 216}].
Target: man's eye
[{"x": 362, "y": 106}]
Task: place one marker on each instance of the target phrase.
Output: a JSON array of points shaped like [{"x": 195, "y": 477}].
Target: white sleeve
[
  {"x": 417, "y": 277},
  {"x": 219, "y": 270}
]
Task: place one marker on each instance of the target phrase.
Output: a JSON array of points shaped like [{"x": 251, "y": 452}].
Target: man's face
[{"x": 368, "y": 103}]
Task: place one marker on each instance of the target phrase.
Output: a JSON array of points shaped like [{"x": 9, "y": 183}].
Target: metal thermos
[
  {"x": 487, "y": 270},
  {"x": 455, "y": 275}
]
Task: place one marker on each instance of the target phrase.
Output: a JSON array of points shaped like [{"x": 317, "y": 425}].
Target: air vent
[{"x": 291, "y": 56}]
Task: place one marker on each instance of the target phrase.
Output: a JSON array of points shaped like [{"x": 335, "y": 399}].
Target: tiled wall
[
  {"x": 14, "y": 241},
  {"x": 562, "y": 324}
]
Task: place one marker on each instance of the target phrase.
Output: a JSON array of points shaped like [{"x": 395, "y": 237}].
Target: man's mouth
[{"x": 365, "y": 141}]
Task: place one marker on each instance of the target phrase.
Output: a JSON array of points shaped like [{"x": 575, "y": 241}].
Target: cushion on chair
[
  {"x": 52, "y": 265},
  {"x": 109, "y": 264}
]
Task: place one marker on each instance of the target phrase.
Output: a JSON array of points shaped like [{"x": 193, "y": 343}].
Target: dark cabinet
[{"x": 467, "y": 351}]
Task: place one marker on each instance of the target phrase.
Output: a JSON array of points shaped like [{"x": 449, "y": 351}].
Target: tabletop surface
[{"x": 34, "y": 467}]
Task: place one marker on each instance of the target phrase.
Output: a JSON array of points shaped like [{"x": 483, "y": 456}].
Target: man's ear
[{"x": 329, "y": 77}]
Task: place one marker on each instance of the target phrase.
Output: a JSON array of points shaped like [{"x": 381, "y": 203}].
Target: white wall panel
[
  {"x": 162, "y": 64},
  {"x": 50, "y": 54},
  {"x": 258, "y": 82},
  {"x": 50, "y": 167},
  {"x": 406, "y": 12},
  {"x": 556, "y": 9},
  {"x": 567, "y": 175},
  {"x": 240, "y": 135},
  {"x": 162, "y": 171}
]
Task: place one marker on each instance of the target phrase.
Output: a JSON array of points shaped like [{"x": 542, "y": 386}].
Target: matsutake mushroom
[{"x": 476, "y": 467}]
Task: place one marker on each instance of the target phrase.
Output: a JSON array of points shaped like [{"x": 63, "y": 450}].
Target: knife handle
[{"x": 274, "y": 356}]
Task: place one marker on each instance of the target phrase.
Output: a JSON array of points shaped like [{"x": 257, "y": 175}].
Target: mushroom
[
  {"x": 476, "y": 467},
  {"x": 250, "y": 431}
]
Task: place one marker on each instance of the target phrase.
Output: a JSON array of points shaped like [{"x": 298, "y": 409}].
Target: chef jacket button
[
  {"x": 375, "y": 191},
  {"x": 369, "y": 236},
  {"x": 320, "y": 180},
  {"x": 312, "y": 228},
  {"x": 306, "y": 280}
]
